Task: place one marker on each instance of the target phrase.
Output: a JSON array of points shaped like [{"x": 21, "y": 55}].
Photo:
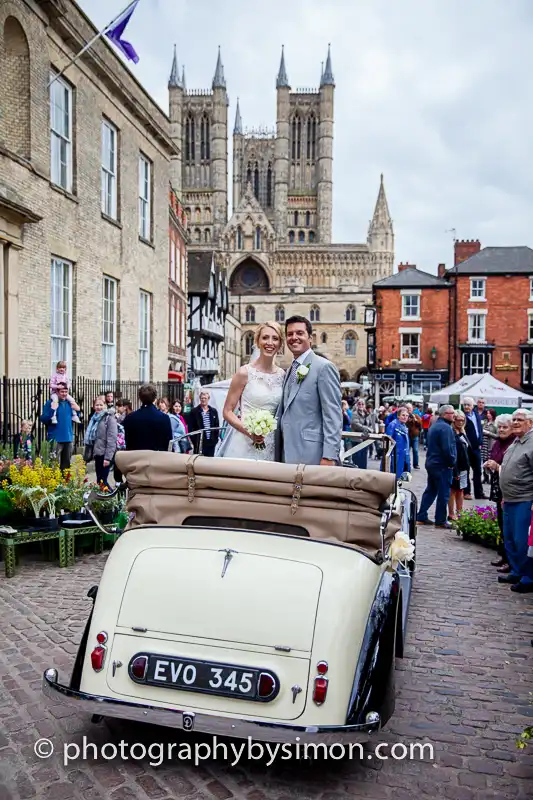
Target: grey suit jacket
[{"x": 310, "y": 415}]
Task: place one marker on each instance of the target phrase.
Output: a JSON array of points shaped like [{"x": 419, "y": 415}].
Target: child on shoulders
[{"x": 61, "y": 376}]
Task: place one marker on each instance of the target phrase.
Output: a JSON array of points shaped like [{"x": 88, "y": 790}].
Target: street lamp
[{"x": 433, "y": 354}]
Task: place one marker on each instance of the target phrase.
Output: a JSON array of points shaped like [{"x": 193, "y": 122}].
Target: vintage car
[{"x": 248, "y": 598}]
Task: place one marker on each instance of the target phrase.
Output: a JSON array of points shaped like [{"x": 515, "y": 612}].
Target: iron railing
[{"x": 24, "y": 399}]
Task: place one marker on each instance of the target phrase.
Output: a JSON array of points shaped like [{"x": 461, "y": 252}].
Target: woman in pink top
[{"x": 177, "y": 409}]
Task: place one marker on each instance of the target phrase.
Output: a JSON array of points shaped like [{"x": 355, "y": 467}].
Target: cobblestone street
[{"x": 463, "y": 686}]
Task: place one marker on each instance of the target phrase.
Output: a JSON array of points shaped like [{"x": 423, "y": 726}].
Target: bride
[{"x": 254, "y": 386}]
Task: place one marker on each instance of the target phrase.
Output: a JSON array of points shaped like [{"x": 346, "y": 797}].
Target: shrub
[{"x": 479, "y": 524}]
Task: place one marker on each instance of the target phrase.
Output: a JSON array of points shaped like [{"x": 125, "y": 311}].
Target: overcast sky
[{"x": 436, "y": 94}]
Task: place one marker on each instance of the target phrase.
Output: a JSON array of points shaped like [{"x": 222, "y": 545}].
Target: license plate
[{"x": 208, "y": 677}]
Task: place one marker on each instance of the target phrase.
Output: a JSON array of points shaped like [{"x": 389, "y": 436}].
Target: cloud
[{"x": 436, "y": 95}]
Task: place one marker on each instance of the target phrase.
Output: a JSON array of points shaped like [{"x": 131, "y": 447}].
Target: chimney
[
  {"x": 402, "y": 266},
  {"x": 465, "y": 249},
  {"x": 441, "y": 270}
]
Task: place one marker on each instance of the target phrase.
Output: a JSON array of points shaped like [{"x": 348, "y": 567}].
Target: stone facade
[
  {"x": 53, "y": 207},
  {"x": 276, "y": 248},
  {"x": 177, "y": 286}
]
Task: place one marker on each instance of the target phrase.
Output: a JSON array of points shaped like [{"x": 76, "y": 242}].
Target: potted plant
[{"x": 479, "y": 524}]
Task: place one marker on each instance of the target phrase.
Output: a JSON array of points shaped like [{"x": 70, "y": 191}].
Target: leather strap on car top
[
  {"x": 297, "y": 488},
  {"x": 191, "y": 478}
]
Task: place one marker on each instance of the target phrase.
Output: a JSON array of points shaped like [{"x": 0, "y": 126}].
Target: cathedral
[{"x": 276, "y": 245}]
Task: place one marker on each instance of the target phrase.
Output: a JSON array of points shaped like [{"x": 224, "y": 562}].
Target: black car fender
[{"x": 75, "y": 680}]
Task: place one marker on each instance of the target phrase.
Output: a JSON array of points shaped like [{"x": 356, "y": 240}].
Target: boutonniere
[{"x": 302, "y": 372}]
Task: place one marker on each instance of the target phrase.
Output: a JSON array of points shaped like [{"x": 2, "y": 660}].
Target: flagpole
[{"x": 90, "y": 44}]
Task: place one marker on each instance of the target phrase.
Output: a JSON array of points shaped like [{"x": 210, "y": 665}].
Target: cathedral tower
[
  {"x": 281, "y": 151},
  {"x": 199, "y": 122},
  {"x": 325, "y": 155}
]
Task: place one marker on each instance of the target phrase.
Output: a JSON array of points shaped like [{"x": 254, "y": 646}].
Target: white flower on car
[
  {"x": 402, "y": 549},
  {"x": 302, "y": 372}
]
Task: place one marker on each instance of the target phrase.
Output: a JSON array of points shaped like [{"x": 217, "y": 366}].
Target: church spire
[
  {"x": 237, "y": 130},
  {"x": 184, "y": 85},
  {"x": 380, "y": 230},
  {"x": 174, "y": 80},
  {"x": 282, "y": 81},
  {"x": 219, "y": 81},
  {"x": 327, "y": 76}
]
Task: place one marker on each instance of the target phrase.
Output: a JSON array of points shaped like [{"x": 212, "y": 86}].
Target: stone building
[
  {"x": 276, "y": 247},
  {"x": 177, "y": 286},
  {"x": 84, "y": 212}
]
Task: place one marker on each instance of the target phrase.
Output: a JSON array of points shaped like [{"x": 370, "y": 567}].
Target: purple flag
[{"x": 117, "y": 29}]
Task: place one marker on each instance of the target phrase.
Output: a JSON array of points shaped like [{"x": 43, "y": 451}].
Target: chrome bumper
[{"x": 207, "y": 723}]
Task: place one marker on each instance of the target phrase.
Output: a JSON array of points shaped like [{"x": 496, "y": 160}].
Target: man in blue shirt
[
  {"x": 440, "y": 460},
  {"x": 60, "y": 434}
]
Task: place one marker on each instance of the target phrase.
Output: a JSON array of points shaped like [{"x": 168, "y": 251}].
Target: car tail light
[
  {"x": 266, "y": 685},
  {"x": 101, "y": 637},
  {"x": 98, "y": 658},
  {"x": 138, "y": 667},
  {"x": 322, "y": 667},
  {"x": 320, "y": 690}
]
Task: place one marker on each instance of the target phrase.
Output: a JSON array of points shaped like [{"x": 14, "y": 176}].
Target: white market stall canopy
[{"x": 493, "y": 391}]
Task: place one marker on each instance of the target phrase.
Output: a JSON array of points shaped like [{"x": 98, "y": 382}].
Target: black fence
[{"x": 24, "y": 399}]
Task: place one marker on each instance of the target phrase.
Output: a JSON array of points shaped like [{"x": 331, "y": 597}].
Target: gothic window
[
  {"x": 350, "y": 344},
  {"x": 205, "y": 144},
  {"x": 311, "y": 137},
  {"x": 248, "y": 343},
  {"x": 307, "y": 218},
  {"x": 296, "y": 137},
  {"x": 250, "y": 314},
  {"x": 301, "y": 237},
  {"x": 239, "y": 238},
  {"x": 198, "y": 234},
  {"x": 207, "y": 235},
  {"x": 314, "y": 314},
  {"x": 291, "y": 237},
  {"x": 189, "y": 140},
  {"x": 207, "y": 214},
  {"x": 188, "y": 214},
  {"x": 256, "y": 181},
  {"x": 258, "y": 238},
  {"x": 280, "y": 314},
  {"x": 314, "y": 339},
  {"x": 324, "y": 338},
  {"x": 269, "y": 186},
  {"x": 296, "y": 218},
  {"x": 249, "y": 174},
  {"x": 311, "y": 236},
  {"x": 350, "y": 313},
  {"x": 198, "y": 213}
]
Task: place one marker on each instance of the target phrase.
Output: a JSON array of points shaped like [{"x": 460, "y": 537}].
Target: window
[
  {"x": 144, "y": 335},
  {"x": 145, "y": 198},
  {"x": 527, "y": 371},
  {"x": 256, "y": 182},
  {"x": 307, "y": 218},
  {"x": 314, "y": 314},
  {"x": 109, "y": 329},
  {"x": 205, "y": 144},
  {"x": 475, "y": 363},
  {"x": 476, "y": 327},
  {"x": 61, "y": 134},
  {"x": 350, "y": 344},
  {"x": 530, "y": 325},
  {"x": 279, "y": 314},
  {"x": 531, "y": 288},
  {"x": 207, "y": 235},
  {"x": 248, "y": 343},
  {"x": 109, "y": 169},
  {"x": 291, "y": 237},
  {"x": 189, "y": 140},
  {"x": 250, "y": 314},
  {"x": 296, "y": 218},
  {"x": 269, "y": 186},
  {"x": 197, "y": 235},
  {"x": 296, "y": 137},
  {"x": 410, "y": 346},
  {"x": 258, "y": 238},
  {"x": 410, "y": 306},
  {"x": 350, "y": 313},
  {"x": 477, "y": 289},
  {"x": 311, "y": 236},
  {"x": 239, "y": 238},
  {"x": 311, "y": 137},
  {"x": 61, "y": 311},
  {"x": 301, "y": 237},
  {"x": 324, "y": 338}
]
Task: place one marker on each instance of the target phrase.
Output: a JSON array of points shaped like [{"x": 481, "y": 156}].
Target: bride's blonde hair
[{"x": 275, "y": 327}]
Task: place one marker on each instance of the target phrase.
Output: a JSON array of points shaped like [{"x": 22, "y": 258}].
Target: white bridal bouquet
[
  {"x": 402, "y": 549},
  {"x": 260, "y": 422}
]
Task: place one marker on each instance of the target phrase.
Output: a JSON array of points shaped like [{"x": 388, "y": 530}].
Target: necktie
[{"x": 292, "y": 376}]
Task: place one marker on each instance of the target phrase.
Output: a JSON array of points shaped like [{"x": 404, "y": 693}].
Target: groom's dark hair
[{"x": 298, "y": 318}]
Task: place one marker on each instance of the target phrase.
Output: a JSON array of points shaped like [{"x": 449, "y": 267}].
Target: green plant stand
[
  {"x": 99, "y": 539},
  {"x": 10, "y": 543}
]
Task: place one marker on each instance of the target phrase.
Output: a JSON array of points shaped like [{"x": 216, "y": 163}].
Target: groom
[{"x": 310, "y": 412}]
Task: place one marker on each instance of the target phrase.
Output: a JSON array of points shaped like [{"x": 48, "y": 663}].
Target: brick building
[
  {"x": 84, "y": 171},
  {"x": 408, "y": 332},
  {"x": 177, "y": 286},
  {"x": 425, "y": 331}
]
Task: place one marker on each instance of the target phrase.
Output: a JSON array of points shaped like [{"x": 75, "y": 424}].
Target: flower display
[
  {"x": 38, "y": 486},
  {"x": 260, "y": 422},
  {"x": 402, "y": 549},
  {"x": 479, "y": 524}
]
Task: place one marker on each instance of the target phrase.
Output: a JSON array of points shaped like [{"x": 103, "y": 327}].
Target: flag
[{"x": 116, "y": 30}]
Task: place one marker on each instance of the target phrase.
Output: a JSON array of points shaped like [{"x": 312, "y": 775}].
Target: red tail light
[
  {"x": 320, "y": 690},
  {"x": 98, "y": 658},
  {"x": 138, "y": 667},
  {"x": 266, "y": 685}
]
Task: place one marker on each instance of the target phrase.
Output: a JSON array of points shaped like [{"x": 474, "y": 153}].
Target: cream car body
[{"x": 324, "y": 620}]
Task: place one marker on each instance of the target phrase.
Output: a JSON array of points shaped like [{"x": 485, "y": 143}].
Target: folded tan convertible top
[{"x": 334, "y": 503}]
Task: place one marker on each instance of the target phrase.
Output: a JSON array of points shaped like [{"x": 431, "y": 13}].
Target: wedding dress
[{"x": 262, "y": 391}]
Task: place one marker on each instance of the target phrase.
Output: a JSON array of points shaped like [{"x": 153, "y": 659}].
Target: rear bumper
[{"x": 206, "y": 723}]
